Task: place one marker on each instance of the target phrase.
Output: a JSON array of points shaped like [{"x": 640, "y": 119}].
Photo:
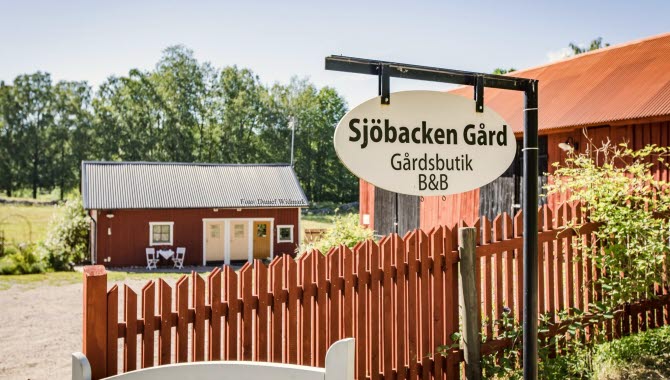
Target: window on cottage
[
  {"x": 262, "y": 230},
  {"x": 238, "y": 230},
  {"x": 215, "y": 231},
  {"x": 160, "y": 233},
  {"x": 285, "y": 234}
]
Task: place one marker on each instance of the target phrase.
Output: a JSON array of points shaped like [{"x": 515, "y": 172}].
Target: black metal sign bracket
[
  {"x": 479, "y": 94},
  {"x": 384, "y": 70},
  {"x": 384, "y": 83}
]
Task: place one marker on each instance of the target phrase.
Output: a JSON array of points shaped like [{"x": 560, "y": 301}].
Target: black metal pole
[
  {"x": 385, "y": 70},
  {"x": 530, "y": 233},
  {"x": 384, "y": 92}
]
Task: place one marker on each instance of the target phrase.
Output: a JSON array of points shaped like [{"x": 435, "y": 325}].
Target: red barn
[
  {"x": 219, "y": 213},
  {"x": 621, "y": 93}
]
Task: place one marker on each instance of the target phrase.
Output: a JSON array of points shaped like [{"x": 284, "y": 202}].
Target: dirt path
[{"x": 40, "y": 326}]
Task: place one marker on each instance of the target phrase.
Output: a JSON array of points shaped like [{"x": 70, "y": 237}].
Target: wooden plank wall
[
  {"x": 130, "y": 232},
  {"x": 637, "y": 136},
  {"x": 450, "y": 209},
  {"x": 385, "y": 208},
  {"x": 384, "y": 211},
  {"x": 408, "y": 213},
  {"x": 497, "y": 197}
]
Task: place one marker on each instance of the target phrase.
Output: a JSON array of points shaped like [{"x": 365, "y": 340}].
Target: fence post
[
  {"x": 95, "y": 319},
  {"x": 468, "y": 302}
]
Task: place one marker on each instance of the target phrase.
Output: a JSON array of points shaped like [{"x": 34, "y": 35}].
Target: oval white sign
[{"x": 425, "y": 143}]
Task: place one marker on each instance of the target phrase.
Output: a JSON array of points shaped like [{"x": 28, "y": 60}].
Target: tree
[
  {"x": 501, "y": 71},
  {"x": 180, "y": 85},
  {"x": 594, "y": 45},
  {"x": 69, "y": 135},
  {"x": 182, "y": 110},
  {"x": 316, "y": 113},
  {"x": 128, "y": 119},
  {"x": 240, "y": 99},
  {"x": 34, "y": 96},
  {"x": 10, "y": 165}
]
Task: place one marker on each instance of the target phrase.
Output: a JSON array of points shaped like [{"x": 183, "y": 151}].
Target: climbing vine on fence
[
  {"x": 627, "y": 206},
  {"x": 619, "y": 190}
]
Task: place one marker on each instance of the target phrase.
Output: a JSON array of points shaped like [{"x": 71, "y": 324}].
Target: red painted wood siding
[
  {"x": 367, "y": 201},
  {"x": 130, "y": 232},
  {"x": 465, "y": 206},
  {"x": 636, "y": 135},
  {"x": 450, "y": 209}
]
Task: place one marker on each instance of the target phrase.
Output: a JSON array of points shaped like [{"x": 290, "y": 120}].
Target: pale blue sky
[{"x": 90, "y": 40}]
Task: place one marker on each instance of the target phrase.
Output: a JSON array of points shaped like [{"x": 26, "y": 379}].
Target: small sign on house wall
[{"x": 425, "y": 143}]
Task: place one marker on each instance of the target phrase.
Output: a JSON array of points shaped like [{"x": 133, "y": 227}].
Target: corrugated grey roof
[{"x": 156, "y": 185}]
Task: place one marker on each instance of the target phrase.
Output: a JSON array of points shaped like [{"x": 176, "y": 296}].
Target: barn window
[
  {"x": 285, "y": 234},
  {"x": 160, "y": 233}
]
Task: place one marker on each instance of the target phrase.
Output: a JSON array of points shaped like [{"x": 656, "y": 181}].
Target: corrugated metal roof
[
  {"x": 159, "y": 185},
  {"x": 623, "y": 82}
]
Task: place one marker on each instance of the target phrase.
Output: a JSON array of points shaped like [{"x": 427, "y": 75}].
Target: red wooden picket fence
[{"x": 398, "y": 298}]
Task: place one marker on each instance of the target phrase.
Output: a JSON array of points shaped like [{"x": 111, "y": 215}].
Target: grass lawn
[
  {"x": 66, "y": 278},
  {"x": 24, "y": 223},
  {"x": 317, "y": 221},
  {"x": 640, "y": 356}
]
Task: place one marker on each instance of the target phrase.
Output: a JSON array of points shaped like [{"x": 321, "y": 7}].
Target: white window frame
[
  {"x": 279, "y": 227},
  {"x": 151, "y": 233}
]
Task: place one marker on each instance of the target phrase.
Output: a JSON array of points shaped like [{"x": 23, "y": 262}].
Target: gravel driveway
[{"x": 40, "y": 326}]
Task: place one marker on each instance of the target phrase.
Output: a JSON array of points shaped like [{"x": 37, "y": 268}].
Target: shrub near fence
[{"x": 398, "y": 298}]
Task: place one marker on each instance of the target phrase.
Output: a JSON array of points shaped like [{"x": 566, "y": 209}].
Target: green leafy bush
[
  {"x": 643, "y": 354},
  {"x": 346, "y": 230},
  {"x": 66, "y": 243},
  {"x": 618, "y": 189},
  {"x": 630, "y": 348},
  {"x": 9, "y": 249},
  {"x": 23, "y": 260}
]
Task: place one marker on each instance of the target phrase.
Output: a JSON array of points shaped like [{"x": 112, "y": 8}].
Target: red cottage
[
  {"x": 217, "y": 212},
  {"x": 621, "y": 93}
]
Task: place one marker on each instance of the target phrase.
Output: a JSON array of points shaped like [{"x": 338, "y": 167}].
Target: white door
[
  {"x": 214, "y": 241},
  {"x": 239, "y": 240}
]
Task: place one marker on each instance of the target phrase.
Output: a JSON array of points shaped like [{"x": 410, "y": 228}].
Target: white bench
[{"x": 339, "y": 366}]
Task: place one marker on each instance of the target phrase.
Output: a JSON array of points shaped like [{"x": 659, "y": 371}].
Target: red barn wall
[
  {"x": 130, "y": 232},
  {"x": 637, "y": 136},
  {"x": 465, "y": 206},
  {"x": 450, "y": 209},
  {"x": 366, "y": 196}
]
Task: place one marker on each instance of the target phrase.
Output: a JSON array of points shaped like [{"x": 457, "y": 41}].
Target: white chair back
[
  {"x": 151, "y": 252},
  {"x": 151, "y": 258},
  {"x": 179, "y": 257},
  {"x": 339, "y": 366}
]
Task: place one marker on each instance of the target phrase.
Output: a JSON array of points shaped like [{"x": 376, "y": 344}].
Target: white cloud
[{"x": 557, "y": 55}]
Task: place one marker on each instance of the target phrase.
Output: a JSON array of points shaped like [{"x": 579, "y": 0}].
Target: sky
[{"x": 91, "y": 40}]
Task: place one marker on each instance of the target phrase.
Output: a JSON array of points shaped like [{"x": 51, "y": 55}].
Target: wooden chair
[
  {"x": 339, "y": 366},
  {"x": 178, "y": 258},
  {"x": 152, "y": 260}
]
